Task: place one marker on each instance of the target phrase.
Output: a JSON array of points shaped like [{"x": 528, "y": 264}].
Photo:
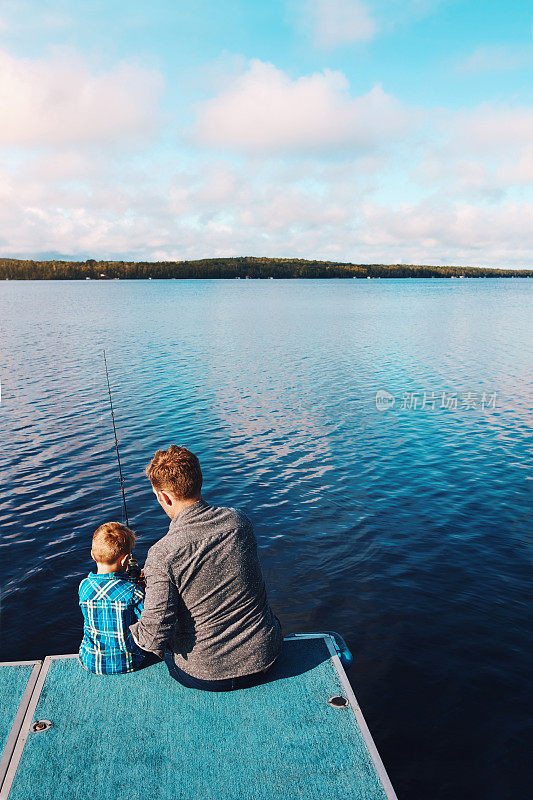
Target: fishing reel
[{"x": 133, "y": 569}]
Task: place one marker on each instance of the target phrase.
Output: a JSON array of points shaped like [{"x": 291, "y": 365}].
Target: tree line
[{"x": 243, "y": 267}]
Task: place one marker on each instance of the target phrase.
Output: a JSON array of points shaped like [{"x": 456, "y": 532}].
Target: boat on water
[{"x": 66, "y": 733}]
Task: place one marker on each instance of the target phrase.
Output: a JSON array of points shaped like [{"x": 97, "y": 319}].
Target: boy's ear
[{"x": 92, "y": 555}]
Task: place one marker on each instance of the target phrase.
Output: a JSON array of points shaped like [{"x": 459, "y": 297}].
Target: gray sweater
[{"x": 205, "y": 596}]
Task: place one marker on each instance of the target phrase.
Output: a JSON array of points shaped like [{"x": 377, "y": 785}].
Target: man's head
[
  {"x": 176, "y": 478},
  {"x": 112, "y": 545}
]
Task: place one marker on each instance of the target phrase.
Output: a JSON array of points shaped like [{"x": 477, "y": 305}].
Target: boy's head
[
  {"x": 176, "y": 478},
  {"x": 112, "y": 544}
]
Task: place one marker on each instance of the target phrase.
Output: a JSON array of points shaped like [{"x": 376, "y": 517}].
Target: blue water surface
[{"x": 406, "y": 529}]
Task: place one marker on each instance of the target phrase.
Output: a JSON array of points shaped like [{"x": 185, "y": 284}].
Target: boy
[{"x": 110, "y": 602}]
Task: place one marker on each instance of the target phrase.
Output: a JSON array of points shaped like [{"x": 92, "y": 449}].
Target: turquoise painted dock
[{"x": 68, "y": 734}]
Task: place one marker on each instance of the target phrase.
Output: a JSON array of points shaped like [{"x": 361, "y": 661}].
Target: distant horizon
[
  {"x": 237, "y": 267},
  {"x": 83, "y": 259}
]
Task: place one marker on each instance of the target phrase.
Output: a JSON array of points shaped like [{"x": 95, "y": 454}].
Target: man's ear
[{"x": 167, "y": 500}]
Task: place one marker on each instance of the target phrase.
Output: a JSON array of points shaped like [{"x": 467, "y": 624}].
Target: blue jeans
[{"x": 225, "y": 685}]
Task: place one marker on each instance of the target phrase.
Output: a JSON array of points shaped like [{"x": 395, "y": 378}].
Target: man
[{"x": 205, "y": 608}]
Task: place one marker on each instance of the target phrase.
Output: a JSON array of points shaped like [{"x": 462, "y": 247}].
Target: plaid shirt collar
[{"x": 106, "y": 576}]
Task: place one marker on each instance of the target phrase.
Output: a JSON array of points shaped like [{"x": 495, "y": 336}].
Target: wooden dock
[{"x": 68, "y": 734}]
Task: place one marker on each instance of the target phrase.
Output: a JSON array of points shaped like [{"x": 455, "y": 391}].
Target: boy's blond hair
[{"x": 111, "y": 541}]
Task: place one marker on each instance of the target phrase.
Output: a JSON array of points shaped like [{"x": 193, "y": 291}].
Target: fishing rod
[{"x": 116, "y": 442}]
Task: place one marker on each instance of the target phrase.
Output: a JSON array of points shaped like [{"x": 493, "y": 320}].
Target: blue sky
[{"x": 357, "y": 131}]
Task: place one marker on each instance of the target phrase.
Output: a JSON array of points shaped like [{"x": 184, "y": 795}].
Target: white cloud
[
  {"x": 93, "y": 207},
  {"x": 517, "y": 170},
  {"x": 334, "y": 23},
  {"x": 461, "y": 233},
  {"x": 61, "y": 100},
  {"x": 485, "y": 152},
  {"x": 493, "y": 128},
  {"x": 469, "y": 204},
  {"x": 263, "y": 110},
  {"x": 338, "y": 22},
  {"x": 455, "y": 177},
  {"x": 496, "y": 58}
]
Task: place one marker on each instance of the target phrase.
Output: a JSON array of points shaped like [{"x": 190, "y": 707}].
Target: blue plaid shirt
[{"x": 110, "y": 603}]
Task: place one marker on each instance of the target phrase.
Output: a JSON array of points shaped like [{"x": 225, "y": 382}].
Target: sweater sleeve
[{"x": 158, "y": 616}]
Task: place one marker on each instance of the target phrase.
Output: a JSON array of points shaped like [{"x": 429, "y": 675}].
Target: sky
[{"x": 346, "y": 130}]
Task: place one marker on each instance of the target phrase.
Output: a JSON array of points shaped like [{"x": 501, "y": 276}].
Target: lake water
[{"x": 406, "y": 529}]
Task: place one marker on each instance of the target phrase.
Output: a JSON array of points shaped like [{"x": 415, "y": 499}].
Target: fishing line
[{"x": 116, "y": 442}]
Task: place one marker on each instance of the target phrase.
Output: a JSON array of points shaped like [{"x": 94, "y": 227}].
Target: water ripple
[{"x": 407, "y": 530}]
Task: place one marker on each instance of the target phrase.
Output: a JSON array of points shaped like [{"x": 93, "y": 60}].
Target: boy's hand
[{"x": 141, "y": 580}]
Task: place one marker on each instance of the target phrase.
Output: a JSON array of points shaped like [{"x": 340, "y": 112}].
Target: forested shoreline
[{"x": 243, "y": 267}]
